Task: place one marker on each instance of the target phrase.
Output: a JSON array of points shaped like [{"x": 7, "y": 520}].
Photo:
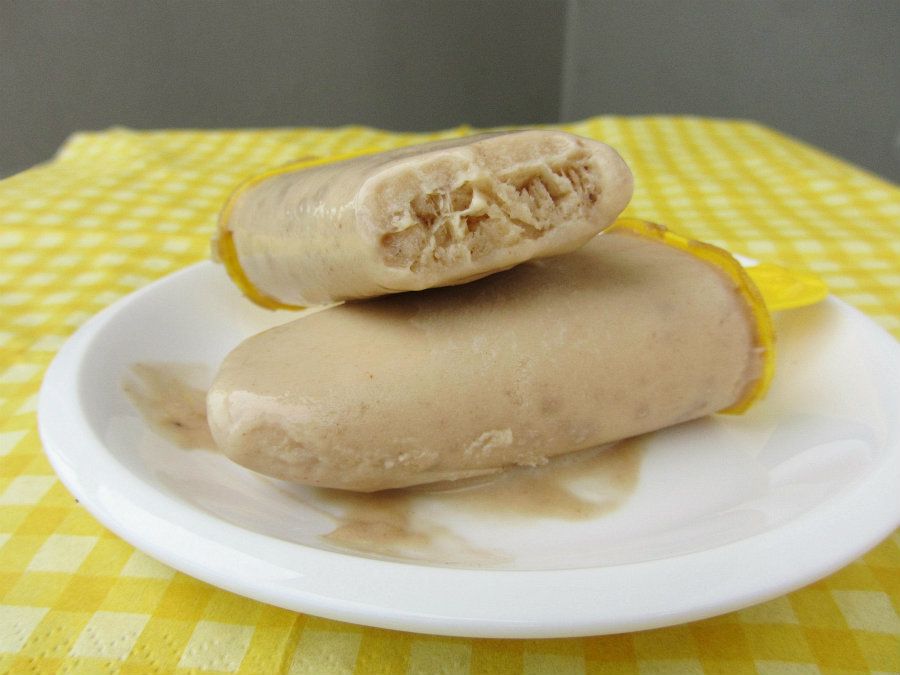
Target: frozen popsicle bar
[
  {"x": 429, "y": 215},
  {"x": 638, "y": 330}
]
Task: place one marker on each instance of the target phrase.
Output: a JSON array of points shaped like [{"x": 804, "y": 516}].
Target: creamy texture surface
[
  {"x": 429, "y": 215},
  {"x": 624, "y": 336}
]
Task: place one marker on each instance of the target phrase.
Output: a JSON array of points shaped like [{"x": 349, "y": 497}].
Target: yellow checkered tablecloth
[{"x": 118, "y": 209}]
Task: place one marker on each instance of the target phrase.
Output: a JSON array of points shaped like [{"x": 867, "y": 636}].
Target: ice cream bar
[
  {"x": 637, "y": 330},
  {"x": 429, "y": 215}
]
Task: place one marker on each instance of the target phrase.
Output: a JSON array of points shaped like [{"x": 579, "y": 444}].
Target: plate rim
[{"x": 527, "y": 600}]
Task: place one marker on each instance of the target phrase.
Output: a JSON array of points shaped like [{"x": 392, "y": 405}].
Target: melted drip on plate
[
  {"x": 169, "y": 404},
  {"x": 396, "y": 523}
]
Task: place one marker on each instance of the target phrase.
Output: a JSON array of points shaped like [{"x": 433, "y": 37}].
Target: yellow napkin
[{"x": 116, "y": 210}]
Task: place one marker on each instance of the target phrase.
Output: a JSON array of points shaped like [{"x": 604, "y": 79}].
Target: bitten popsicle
[
  {"x": 429, "y": 215},
  {"x": 638, "y": 330}
]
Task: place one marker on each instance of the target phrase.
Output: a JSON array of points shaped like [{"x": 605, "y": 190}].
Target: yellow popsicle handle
[{"x": 784, "y": 288}]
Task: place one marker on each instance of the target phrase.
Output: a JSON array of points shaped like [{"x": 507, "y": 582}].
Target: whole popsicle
[
  {"x": 430, "y": 215},
  {"x": 638, "y": 330}
]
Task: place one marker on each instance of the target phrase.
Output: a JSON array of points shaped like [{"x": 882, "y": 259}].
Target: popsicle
[
  {"x": 637, "y": 330},
  {"x": 429, "y": 215}
]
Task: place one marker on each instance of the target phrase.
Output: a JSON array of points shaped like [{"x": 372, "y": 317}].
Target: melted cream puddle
[
  {"x": 578, "y": 486},
  {"x": 169, "y": 404},
  {"x": 394, "y": 523}
]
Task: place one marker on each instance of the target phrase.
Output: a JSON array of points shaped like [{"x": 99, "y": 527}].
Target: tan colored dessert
[
  {"x": 431, "y": 215},
  {"x": 636, "y": 331}
]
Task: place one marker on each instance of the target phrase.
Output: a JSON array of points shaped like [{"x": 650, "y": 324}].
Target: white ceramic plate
[{"x": 726, "y": 511}]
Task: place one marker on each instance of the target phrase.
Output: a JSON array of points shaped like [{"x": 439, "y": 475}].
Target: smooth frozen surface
[{"x": 626, "y": 335}]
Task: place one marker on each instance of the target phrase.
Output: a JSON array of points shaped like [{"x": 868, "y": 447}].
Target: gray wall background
[{"x": 825, "y": 71}]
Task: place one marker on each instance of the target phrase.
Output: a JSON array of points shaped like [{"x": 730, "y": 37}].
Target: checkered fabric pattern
[{"x": 118, "y": 209}]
